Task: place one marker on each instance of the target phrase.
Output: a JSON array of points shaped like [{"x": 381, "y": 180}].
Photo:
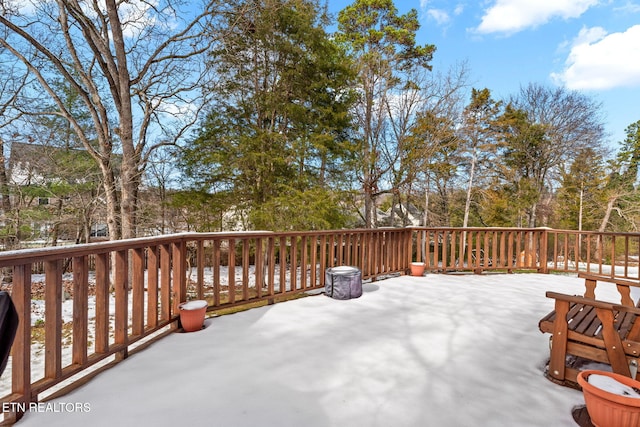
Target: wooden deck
[
  {"x": 133, "y": 288},
  {"x": 445, "y": 356}
]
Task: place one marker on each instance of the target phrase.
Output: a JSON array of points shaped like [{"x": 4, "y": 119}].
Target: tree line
[{"x": 271, "y": 114}]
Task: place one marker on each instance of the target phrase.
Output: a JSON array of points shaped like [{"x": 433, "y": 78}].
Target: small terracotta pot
[
  {"x": 417, "y": 268},
  {"x": 608, "y": 409},
  {"x": 192, "y": 315}
]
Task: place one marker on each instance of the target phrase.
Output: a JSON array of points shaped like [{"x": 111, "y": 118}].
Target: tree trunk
[
  {"x": 395, "y": 200},
  {"x": 533, "y": 215},
  {"x": 4, "y": 182},
  {"x": 122, "y": 92},
  {"x": 369, "y": 209},
  {"x": 603, "y": 225},
  {"x": 605, "y": 220},
  {"x": 426, "y": 202},
  {"x": 467, "y": 204},
  {"x": 112, "y": 202}
]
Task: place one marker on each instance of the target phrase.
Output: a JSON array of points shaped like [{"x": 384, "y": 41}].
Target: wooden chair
[{"x": 584, "y": 329}]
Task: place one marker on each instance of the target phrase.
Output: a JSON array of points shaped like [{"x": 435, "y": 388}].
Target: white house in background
[
  {"x": 39, "y": 166},
  {"x": 404, "y": 215},
  {"x": 27, "y": 164},
  {"x": 234, "y": 219}
]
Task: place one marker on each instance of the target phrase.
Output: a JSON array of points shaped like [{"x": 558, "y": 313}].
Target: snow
[
  {"x": 193, "y": 305},
  {"x": 343, "y": 270},
  {"x": 440, "y": 350},
  {"x": 612, "y": 385}
]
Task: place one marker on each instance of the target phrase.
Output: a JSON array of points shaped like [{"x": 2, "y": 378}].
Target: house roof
[{"x": 36, "y": 164}]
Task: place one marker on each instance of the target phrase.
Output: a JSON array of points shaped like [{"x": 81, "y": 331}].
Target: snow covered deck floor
[{"x": 439, "y": 350}]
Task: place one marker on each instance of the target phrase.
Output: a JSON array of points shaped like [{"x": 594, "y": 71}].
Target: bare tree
[
  {"x": 477, "y": 131},
  {"x": 547, "y": 127},
  {"x": 137, "y": 66},
  {"x": 399, "y": 148},
  {"x": 12, "y": 81},
  {"x": 158, "y": 178},
  {"x": 435, "y": 135}
]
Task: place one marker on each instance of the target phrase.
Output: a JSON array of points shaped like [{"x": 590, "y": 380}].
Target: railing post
[
  {"x": 303, "y": 262},
  {"x": 152, "y": 286},
  {"x": 80, "y": 307},
  {"x": 200, "y": 268},
  {"x": 408, "y": 248},
  {"x": 179, "y": 277},
  {"x": 231, "y": 273},
  {"x": 245, "y": 269},
  {"x": 259, "y": 272},
  {"x": 53, "y": 320},
  {"x": 271, "y": 259},
  {"x": 293, "y": 262},
  {"x": 102, "y": 303},
  {"x": 21, "y": 350},
  {"x": 121, "y": 285},
  {"x": 323, "y": 257},
  {"x": 137, "y": 292},
  {"x": 216, "y": 272},
  {"x": 477, "y": 267},
  {"x": 544, "y": 244},
  {"x": 313, "y": 261},
  {"x": 165, "y": 282}
]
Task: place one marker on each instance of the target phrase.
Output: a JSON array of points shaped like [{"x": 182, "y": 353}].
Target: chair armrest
[{"x": 582, "y": 300}]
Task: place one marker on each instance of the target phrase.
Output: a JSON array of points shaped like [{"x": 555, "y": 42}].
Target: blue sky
[{"x": 590, "y": 46}]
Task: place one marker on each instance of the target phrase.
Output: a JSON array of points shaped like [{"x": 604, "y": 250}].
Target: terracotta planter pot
[
  {"x": 417, "y": 268},
  {"x": 608, "y": 409},
  {"x": 192, "y": 315}
]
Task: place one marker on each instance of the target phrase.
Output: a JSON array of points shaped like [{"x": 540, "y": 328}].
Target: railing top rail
[
  {"x": 601, "y": 233},
  {"x": 27, "y": 256},
  {"x": 545, "y": 229},
  {"x": 481, "y": 228}
]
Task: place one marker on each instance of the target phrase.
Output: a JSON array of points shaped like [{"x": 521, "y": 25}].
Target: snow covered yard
[{"x": 439, "y": 350}]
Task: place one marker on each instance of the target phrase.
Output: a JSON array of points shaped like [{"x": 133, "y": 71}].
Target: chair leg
[
  {"x": 613, "y": 343},
  {"x": 558, "y": 357}
]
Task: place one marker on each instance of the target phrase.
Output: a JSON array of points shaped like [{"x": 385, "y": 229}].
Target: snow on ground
[{"x": 440, "y": 350}]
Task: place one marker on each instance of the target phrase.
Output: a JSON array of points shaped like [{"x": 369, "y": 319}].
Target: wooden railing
[
  {"x": 479, "y": 249},
  {"x": 611, "y": 254},
  {"x": 540, "y": 249},
  {"x": 133, "y": 288},
  {"x": 137, "y": 285}
]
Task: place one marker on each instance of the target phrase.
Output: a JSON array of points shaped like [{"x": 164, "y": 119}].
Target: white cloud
[
  {"x": 511, "y": 16},
  {"x": 20, "y": 7},
  {"x": 440, "y": 16},
  {"x": 602, "y": 61},
  {"x": 136, "y": 16},
  {"x": 629, "y": 7}
]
